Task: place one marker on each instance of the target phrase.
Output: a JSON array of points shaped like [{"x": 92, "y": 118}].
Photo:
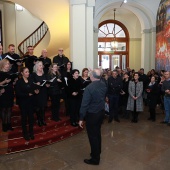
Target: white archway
[{"x": 146, "y": 14}]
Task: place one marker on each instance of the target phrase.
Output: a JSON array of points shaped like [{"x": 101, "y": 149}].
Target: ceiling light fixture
[
  {"x": 125, "y": 1},
  {"x": 114, "y": 43}
]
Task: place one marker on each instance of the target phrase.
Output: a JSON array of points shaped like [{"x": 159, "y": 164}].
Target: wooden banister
[{"x": 33, "y": 39}]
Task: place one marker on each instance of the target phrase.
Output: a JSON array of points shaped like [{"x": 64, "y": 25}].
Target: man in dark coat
[
  {"x": 61, "y": 60},
  {"x": 30, "y": 58},
  {"x": 92, "y": 109},
  {"x": 46, "y": 61},
  {"x": 13, "y": 55}
]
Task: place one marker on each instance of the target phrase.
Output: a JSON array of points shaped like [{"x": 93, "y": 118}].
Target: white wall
[{"x": 18, "y": 25}]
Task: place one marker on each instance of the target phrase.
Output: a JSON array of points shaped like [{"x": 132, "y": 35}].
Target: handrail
[{"x": 33, "y": 39}]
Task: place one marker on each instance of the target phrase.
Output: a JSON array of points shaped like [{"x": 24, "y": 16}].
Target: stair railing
[{"x": 33, "y": 39}]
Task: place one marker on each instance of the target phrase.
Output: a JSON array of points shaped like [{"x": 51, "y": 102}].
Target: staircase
[
  {"x": 33, "y": 39},
  {"x": 13, "y": 141}
]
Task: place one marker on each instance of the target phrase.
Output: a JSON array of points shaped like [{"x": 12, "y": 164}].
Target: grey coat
[{"x": 139, "y": 101}]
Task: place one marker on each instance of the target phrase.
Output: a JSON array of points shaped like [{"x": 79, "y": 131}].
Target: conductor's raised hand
[{"x": 81, "y": 123}]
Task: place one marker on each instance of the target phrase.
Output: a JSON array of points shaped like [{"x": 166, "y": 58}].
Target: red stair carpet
[{"x": 12, "y": 141}]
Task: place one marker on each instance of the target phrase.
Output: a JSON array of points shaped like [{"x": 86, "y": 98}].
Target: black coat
[
  {"x": 153, "y": 95},
  {"x": 55, "y": 86},
  {"x": 22, "y": 90},
  {"x": 29, "y": 62},
  {"x": 14, "y": 68},
  {"x": 74, "y": 86},
  {"x": 7, "y": 98},
  {"x": 41, "y": 97},
  {"x": 46, "y": 62}
]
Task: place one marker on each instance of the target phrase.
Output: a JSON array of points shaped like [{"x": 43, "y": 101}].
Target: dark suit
[{"x": 60, "y": 61}]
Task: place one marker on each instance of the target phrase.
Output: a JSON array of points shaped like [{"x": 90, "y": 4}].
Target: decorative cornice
[
  {"x": 89, "y": 3},
  {"x": 77, "y": 2}
]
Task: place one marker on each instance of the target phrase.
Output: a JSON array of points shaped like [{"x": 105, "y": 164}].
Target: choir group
[{"x": 33, "y": 80}]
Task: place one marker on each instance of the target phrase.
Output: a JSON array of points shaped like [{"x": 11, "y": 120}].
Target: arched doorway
[{"x": 109, "y": 56}]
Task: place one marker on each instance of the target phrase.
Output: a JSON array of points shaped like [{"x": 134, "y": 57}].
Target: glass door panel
[
  {"x": 123, "y": 62},
  {"x": 105, "y": 61},
  {"x": 115, "y": 61}
]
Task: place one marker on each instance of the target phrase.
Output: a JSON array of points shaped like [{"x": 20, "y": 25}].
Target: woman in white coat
[{"x": 135, "y": 100}]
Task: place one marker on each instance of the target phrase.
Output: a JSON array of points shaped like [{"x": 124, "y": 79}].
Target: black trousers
[
  {"x": 55, "y": 106},
  {"x": 135, "y": 113},
  {"x": 27, "y": 115},
  {"x": 74, "y": 109},
  {"x": 93, "y": 126}
]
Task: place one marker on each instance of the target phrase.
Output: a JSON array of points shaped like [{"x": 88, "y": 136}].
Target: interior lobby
[{"x": 88, "y": 30}]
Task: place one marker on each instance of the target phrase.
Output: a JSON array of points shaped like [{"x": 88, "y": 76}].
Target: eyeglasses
[{"x": 60, "y": 50}]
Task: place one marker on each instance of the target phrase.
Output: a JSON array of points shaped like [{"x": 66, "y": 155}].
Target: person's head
[
  {"x": 114, "y": 73},
  {"x": 38, "y": 67},
  {"x": 153, "y": 79},
  {"x": 128, "y": 69},
  {"x": 85, "y": 72},
  {"x": 109, "y": 73},
  {"x": 44, "y": 53},
  {"x": 1, "y": 49},
  {"x": 166, "y": 75},
  {"x": 60, "y": 51},
  {"x": 105, "y": 76},
  {"x": 75, "y": 73},
  {"x": 162, "y": 72},
  {"x": 119, "y": 71},
  {"x": 30, "y": 50},
  {"x": 136, "y": 76},
  {"x": 24, "y": 71},
  {"x": 141, "y": 71},
  {"x": 153, "y": 72},
  {"x": 126, "y": 75},
  {"x": 95, "y": 74},
  {"x": 53, "y": 68},
  {"x": 5, "y": 65},
  {"x": 11, "y": 48},
  {"x": 68, "y": 66}
]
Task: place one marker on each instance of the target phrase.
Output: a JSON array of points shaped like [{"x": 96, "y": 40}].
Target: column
[
  {"x": 153, "y": 47},
  {"x": 81, "y": 33},
  {"x": 145, "y": 50},
  {"x": 90, "y": 62}
]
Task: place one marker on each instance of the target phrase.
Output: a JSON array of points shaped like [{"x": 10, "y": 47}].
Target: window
[{"x": 113, "y": 42}]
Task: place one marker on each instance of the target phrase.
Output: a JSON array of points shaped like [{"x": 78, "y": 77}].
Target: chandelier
[{"x": 114, "y": 43}]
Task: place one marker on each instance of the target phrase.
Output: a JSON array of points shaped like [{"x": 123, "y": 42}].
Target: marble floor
[{"x": 125, "y": 146}]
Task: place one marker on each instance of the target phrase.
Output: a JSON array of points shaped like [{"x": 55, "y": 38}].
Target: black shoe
[
  {"x": 9, "y": 127},
  {"x": 39, "y": 123},
  {"x": 168, "y": 124},
  {"x": 110, "y": 120},
  {"x": 117, "y": 120},
  {"x": 4, "y": 127},
  {"x": 91, "y": 162},
  {"x": 149, "y": 118},
  {"x": 26, "y": 137},
  {"x": 133, "y": 121},
  {"x": 44, "y": 123},
  {"x": 57, "y": 120},
  {"x": 32, "y": 137},
  {"x": 74, "y": 124},
  {"x": 153, "y": 120},
  {"x": 163, "y": 122}
]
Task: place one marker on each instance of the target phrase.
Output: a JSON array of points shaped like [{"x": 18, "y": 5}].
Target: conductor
[{"x": 92, "y": 109}]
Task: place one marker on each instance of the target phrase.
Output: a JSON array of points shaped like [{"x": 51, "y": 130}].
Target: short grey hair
[{"x": 96, "y": 73}]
